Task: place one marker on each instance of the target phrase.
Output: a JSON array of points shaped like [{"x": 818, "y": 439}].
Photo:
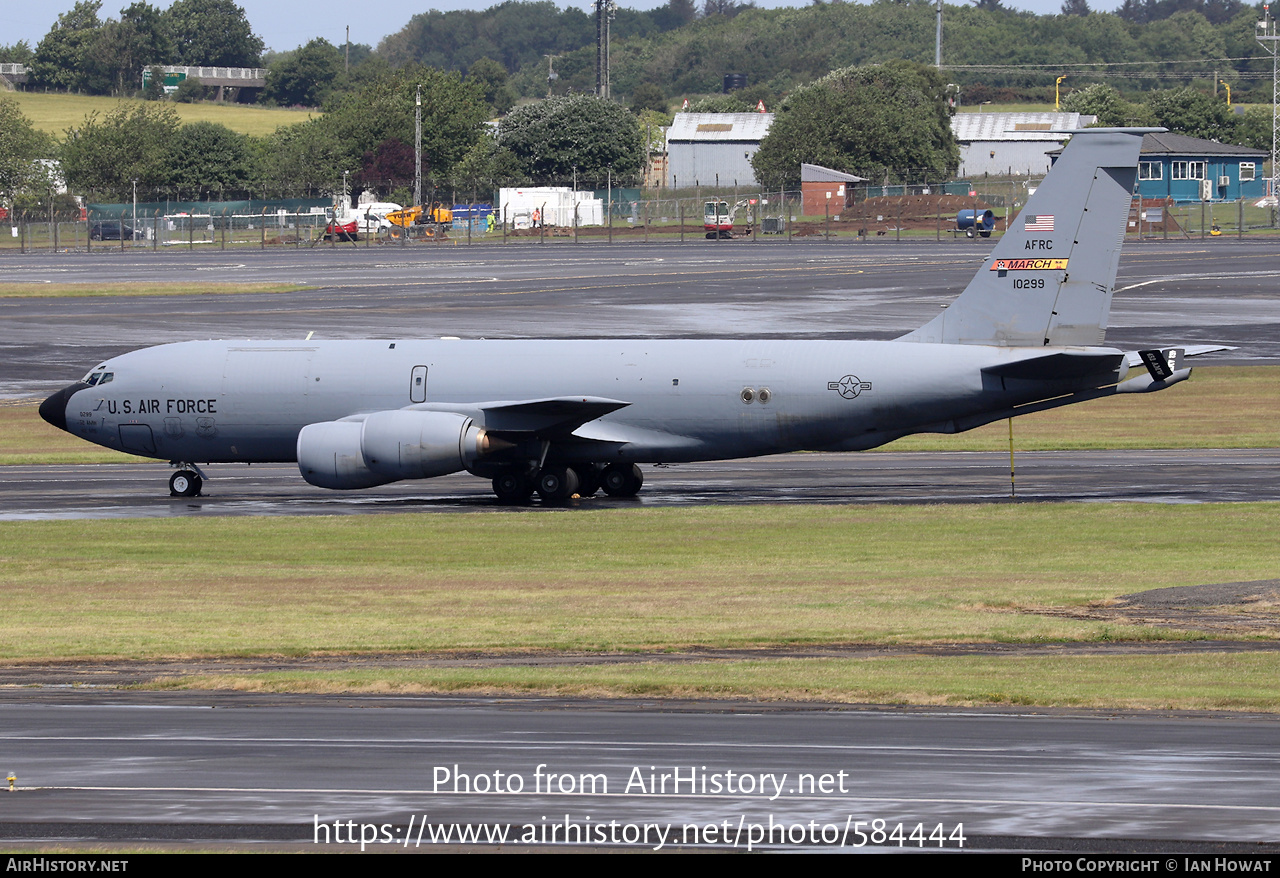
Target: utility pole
[
  {"x": 605, "y": 10},
  {"x": 937, "y": 40},
  {"x": 1268, "y": 37},
  {"x": 417, "y": 148},
  {"x": 552, "y": 76},
  {"x": 346, "y": 65}
]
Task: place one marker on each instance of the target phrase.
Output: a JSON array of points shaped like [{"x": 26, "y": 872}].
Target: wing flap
[
  {"x": 550, "y": 417},
  {"x": 1059, "y": 365}
]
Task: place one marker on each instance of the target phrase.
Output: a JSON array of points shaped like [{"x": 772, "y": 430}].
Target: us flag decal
[{"x": 1041, "y": 223}]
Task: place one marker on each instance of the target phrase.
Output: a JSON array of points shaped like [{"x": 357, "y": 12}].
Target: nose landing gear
[{"x": 187, "y": 481}]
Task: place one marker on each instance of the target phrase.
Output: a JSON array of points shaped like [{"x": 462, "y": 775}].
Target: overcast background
[{"x": 287, "y": 24}]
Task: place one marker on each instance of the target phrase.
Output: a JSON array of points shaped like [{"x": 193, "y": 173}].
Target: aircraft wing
[
  {"x": 548, "y": 418},
  {"x": 1059, "y": 365},
  {"x": 1160, "y": 362}
]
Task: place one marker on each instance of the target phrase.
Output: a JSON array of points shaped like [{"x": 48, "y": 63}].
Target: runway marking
[
  {"x": 667, "y": 797},
  {"x": 1209, "y": 276},
  {"x": 1004, "y": 753}
]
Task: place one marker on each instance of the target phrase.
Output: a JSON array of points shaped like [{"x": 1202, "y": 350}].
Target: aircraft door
[
  {"x": 418, "y": 384},
  {"x": 138, "y": 438}
]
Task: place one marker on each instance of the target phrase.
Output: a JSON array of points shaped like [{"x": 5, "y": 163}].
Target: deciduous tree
[
  {"x": 215, "y": 33},
  {"x": 1194, "y": 113},
  {"x": 60, "y": 58},
  {"x": 305, "y": 77},
  {"x": 105, "y": 154},
  {"x": 21, "y": 146},
  {"x": 207, "y": 159},
  {"x": 889, "y": 120},
  {"x": 552, "y": 137}
]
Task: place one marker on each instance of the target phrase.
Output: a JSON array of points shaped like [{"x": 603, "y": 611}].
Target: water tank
[{"x": 984, "y": 222}]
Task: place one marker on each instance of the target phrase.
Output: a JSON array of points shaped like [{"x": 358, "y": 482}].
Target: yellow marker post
[{"x": 1012, "y": 491}]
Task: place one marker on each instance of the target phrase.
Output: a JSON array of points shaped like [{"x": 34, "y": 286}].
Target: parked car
[{"x": 111, "y": 230}]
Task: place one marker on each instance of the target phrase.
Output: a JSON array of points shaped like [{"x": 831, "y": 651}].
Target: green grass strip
[
  {"x": 1213, "y": 681},
  {"x": 663, "y": 579}
]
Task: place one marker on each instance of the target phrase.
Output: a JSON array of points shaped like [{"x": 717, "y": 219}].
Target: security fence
[{"x": 952, "y": 210}]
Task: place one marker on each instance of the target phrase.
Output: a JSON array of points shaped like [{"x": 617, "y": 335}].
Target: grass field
[
  {"x": 55, "y": 113},
  {"x": 1186, "y": 682},
  {"x": 607, "y": 580},
  {"x": 635, "y": 580},
  {"x": 1219, "y": 407}
]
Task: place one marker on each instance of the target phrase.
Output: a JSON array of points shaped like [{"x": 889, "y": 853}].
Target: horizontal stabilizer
[{"x": 1137, "y": 358}]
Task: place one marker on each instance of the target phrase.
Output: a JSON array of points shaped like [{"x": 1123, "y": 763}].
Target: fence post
[
  {"x": 224, "y": 228},
  {"x": 263, "y": 234},
  {"x": 575, "y": 222},
  {"x": 1240, "y": 219},
  {"x": 680, "y": 204},
  {"x": 22, "y": 237}
]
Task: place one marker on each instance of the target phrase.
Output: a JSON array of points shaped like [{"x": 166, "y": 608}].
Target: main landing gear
[
  {"x": 557, "y": 484},
  {"x": 186, "y": 482}
]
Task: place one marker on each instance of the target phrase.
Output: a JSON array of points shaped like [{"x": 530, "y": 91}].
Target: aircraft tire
[
  {"x": 622, "y": 480},
  {"x": 512, "y": 487},
  {"x": 588, "y": 480},
  {"x": 557, "y": 484},
  {"x": 185, "y": 483}
]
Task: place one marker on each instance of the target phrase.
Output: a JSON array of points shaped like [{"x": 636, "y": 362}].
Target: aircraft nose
[{"x": 54, "y": 409}]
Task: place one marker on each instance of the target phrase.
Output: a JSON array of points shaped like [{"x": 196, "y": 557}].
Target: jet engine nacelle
[{"x": 387, "y": 447}]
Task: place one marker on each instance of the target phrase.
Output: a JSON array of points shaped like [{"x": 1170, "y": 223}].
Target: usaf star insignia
[{"x": 849, "y": 386}]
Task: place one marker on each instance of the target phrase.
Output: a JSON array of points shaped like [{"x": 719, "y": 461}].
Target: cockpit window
[{"x": 98, "y": 376}]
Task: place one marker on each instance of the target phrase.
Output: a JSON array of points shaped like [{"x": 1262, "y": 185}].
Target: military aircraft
[{"x": 572, "y": 417}]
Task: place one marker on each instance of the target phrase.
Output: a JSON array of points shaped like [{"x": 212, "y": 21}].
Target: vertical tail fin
[{"x": 1050, "y": 277}]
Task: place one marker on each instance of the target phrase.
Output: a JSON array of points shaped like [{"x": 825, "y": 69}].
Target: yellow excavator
[{"x": 431, "y": 219}]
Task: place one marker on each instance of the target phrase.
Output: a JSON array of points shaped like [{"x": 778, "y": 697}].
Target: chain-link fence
[{"x": 944, "y": 211}]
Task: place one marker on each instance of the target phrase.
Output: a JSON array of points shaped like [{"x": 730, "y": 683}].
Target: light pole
[
  {"x": 417, "y": 148},
  {"x": 1268, "y": 37},
  {"x": 1227, "y": 86},
  {"x": 1057, "y": 93}
]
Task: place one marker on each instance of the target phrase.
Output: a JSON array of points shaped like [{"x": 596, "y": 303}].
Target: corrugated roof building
[
  {"x": 1013, "y": 144},
  {"x": 705, "y": 147}
]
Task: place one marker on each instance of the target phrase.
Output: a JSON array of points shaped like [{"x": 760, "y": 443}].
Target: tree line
[
  {"x": 679, "y": 50},
  {"x": 365, "y": 139}
]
